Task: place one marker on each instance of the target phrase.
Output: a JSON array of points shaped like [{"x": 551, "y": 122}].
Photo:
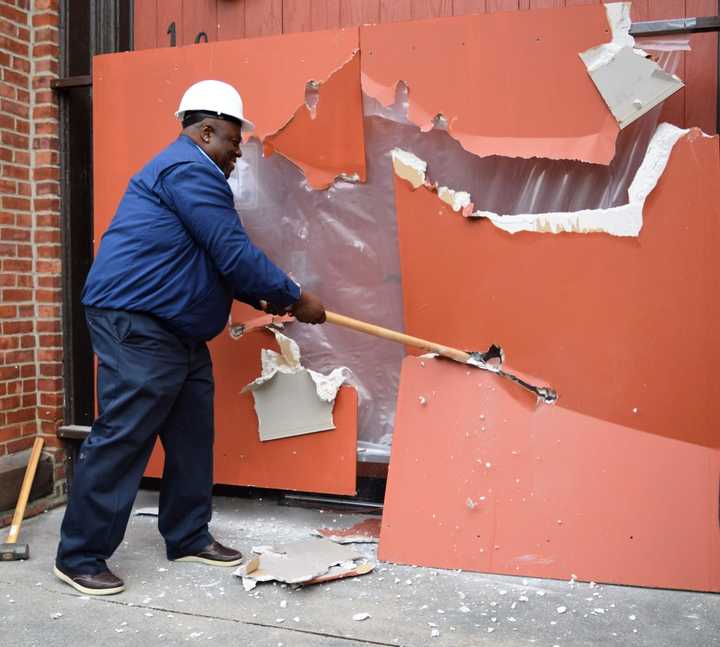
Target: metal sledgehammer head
[{"x": 12, "y": 552}]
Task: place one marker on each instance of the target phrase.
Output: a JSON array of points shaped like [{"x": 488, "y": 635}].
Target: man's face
[{"x": 222, "y": 143}]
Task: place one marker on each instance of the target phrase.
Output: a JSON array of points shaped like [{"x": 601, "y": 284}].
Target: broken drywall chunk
[
  {"x": 248, "y": 567},
  {"x": 307, "y": 397},
  {"x": 304, "y": 562},
  {"x": 364, "y": 532},
  {"x": 628, "y": 81},
  {"x": 409, "y": 167},
  {"x": 623, "y": 220}
]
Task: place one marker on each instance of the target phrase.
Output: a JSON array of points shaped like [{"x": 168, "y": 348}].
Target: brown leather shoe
[
  {"x": 214, "y": 554},
  {"x": 105, "y": 583}
]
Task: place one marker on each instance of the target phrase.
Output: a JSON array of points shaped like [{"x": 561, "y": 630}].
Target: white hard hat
[{"x": 214, "y": 96}]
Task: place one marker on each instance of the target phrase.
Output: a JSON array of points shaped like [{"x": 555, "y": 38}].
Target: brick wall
[{"x": 31, "y": 391}]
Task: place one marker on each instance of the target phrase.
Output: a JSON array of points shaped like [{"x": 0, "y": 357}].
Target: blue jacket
[{"x": 176, "y": 249}]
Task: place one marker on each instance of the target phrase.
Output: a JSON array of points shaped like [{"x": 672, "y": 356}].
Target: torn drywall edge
[
  {"x": 288, "y": 361},
  {"x": 593, "y": 143},
  {"x": 624, "y": 220},
  {"x": 318, "y": 179},
  {"x": 629, "y": 82},
  {"x": 319, "y": 82}
]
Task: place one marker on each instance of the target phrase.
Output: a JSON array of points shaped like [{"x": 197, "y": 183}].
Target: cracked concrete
[{"x": 173, "y": 603}]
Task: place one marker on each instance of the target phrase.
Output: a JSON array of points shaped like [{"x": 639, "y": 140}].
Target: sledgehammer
[
  {"x": 490, "y": 360},
  {"x": 10, "y": 550}
]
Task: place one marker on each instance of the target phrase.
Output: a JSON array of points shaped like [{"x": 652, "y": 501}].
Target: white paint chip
[{"x": 359, "y": 617}]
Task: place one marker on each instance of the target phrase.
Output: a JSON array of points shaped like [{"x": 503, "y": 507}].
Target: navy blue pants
[{"x": 150, "y": 383}]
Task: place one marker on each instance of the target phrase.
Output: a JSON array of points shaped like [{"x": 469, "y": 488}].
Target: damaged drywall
[
  {"x": 270, "y": 73},
  {"x": 308, "y": 561},
  {"x": 624, "y": 220},
  {"x": 629, "y": 82},
  {"x": 588, "y": 313},
  {"x": 467, "y": 72},
  {"x": 291, "y": 400},
  {"x": 330, "y": 115},
  {"x": 546, "y": 492}
]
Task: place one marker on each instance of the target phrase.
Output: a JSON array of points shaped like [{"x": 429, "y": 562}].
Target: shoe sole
[
  {"x": 211, "y": 562},
  {"x": 83, "y": 589}
]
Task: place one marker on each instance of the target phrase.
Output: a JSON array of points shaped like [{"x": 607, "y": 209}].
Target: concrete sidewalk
[{"x": 175, "y": 603}]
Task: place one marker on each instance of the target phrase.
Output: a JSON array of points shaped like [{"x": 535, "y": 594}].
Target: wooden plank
[
  {"x": 296, "y": 16},
  {"x": 168, "y": 23},
  {"x": 199, "y": 22},
  {"x": 422, "y": 9},
  {"x": 464, "y": 7},
  {"x": 674, "y": 108},
  {"x": 359, "y": 12},
  {"x": 546, "y": 4},
  {"x": 502, "y": 5},
  {"x": 640, "y": 10},
  {"x": 324, "y": 14},
  {"x": 394, "y": 10},
  {"x": 230, "y": 19},
  {"x": 701, "y": 72},
  {"x": 263, "y": 18},
  {"x": 145, "y": 24}
]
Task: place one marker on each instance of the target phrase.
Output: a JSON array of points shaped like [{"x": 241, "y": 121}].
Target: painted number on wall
[{"x": 201, "y": 36}]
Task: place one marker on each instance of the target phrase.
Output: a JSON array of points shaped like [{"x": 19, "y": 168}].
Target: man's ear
[{"x": 206, "y": 130}]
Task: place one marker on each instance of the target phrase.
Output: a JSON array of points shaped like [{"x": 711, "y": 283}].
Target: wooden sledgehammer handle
[
  {"x": 25, "y": 490},
  {"x": 394, "y": 335}
]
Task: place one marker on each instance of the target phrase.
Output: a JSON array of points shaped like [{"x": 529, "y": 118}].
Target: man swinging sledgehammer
[{"x": 172, "y": 260}]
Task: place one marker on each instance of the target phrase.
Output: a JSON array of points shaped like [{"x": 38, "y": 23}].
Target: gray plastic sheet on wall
[{"x": 342, "y": 243}]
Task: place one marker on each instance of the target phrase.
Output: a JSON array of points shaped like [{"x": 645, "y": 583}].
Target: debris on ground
[
  {"x": 364, "y": 532},
  {"x": 308, "y": 561}
]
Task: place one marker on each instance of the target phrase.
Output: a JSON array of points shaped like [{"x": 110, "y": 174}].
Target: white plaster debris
[
  {"x": 287, "y": 361},
  {"x": 409, "y": 167},
  {"x": 561, "y": 609},
  {"x": 359, "y": 617},
  {"x": 623, "y": 220},
  {"x": 435, "y": 633},
  {"x": 56, "y": 616},
  {"x": 618, "y": 15}
]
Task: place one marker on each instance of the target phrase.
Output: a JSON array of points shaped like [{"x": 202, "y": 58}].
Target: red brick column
[{"x": 31, "y": 390}]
